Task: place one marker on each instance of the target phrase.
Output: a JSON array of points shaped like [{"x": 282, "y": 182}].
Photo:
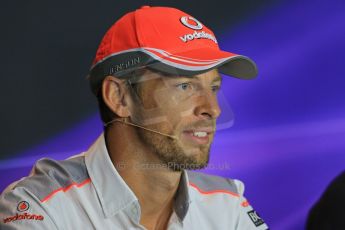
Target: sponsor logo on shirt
[
  {"x": 24, "y": 216},
  {"x": 23, "y": 206},
  {"x": 254, "y": 216}
]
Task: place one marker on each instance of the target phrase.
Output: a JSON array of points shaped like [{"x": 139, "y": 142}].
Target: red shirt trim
[
  {"x": 65, "y": 189},
  {"x": 213, "y": 191}
]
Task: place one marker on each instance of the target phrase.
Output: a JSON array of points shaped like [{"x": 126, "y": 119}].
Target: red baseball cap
[{"x": 165, "y": 39}]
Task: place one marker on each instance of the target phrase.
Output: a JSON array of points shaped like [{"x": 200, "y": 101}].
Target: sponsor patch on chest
[{"x": 256, "y": 219}]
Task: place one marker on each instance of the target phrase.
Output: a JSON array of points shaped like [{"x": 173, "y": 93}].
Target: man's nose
[{"x": 207, "y": 105}]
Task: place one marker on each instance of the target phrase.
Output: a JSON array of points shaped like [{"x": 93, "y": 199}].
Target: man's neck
[{"x": 154, "y": 186}]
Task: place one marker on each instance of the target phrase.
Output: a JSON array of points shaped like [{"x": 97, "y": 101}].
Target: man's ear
[{"x": 114, "y": 93}]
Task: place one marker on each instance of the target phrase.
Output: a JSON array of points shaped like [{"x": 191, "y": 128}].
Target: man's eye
[
  {"x": 215, "y": 88},
  {"x": 184, "y": 86}
]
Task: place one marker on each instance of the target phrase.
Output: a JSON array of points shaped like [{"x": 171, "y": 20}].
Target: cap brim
[
  {"x": 201, "y": 60},
  {"x": 187, "y": 63}
]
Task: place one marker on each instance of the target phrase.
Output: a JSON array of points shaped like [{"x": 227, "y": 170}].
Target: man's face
[{"x": 185, "y": 107}]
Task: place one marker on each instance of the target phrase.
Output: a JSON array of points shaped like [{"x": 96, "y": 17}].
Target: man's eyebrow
[{"x": 217, "y": 78}]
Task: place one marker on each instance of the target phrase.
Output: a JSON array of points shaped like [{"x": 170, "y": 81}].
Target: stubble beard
[{"x": 171, "y": 154}]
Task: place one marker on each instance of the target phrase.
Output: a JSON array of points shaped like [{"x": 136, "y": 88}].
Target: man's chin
[{"x": 186, "y": 166}]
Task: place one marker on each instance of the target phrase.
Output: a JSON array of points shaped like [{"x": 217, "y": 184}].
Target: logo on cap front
[{"x": 185, "y": 20}]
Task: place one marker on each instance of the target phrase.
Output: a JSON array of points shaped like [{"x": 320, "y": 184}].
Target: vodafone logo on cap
[{"x": 196, "y": 25}]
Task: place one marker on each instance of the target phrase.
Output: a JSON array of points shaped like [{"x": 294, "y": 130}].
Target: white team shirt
[{"x": 87, "y": 192}]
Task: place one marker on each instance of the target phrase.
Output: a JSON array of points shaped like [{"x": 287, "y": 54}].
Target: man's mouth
[{"x": 199, "y": 135}]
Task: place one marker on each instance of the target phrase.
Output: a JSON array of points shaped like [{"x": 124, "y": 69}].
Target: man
[{"x": 156, "y": 79}]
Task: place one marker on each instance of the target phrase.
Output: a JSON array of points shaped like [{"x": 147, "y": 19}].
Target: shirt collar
[
  {"x": 182, "y": 198},
  {"x": 113, "y": 192}
]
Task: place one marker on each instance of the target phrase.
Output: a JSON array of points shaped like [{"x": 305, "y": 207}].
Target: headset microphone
[{"x": 139, "y": 126}]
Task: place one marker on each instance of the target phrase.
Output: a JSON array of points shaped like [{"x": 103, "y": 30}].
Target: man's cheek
[{"x": 165, "y": 107}]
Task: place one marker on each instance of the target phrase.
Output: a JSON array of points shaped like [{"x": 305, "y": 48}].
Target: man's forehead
[{"x": 211, "y": 75}]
